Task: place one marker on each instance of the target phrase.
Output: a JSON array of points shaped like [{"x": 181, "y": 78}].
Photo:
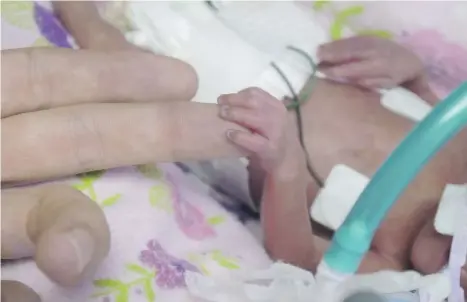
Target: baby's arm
[
  {"x": 90, "y": 30},
  {"x": 284, "y": 213},
  {"x": 376, "y": 63},
  {"x": 288, "y": 232}
]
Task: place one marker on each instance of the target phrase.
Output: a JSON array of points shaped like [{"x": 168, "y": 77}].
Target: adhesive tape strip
[
  {"x": 453, "y": 199},
  {"x": 405, "y": 103},
  {"x": 458, "y": 253},
  {"x": 344, "y": 185},
  {"x": 334, "y": 202}
]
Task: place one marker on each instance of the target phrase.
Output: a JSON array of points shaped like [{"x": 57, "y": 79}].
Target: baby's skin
[
  {"x": 344, "y": 124},
  {"x": 81, "y": 125}
]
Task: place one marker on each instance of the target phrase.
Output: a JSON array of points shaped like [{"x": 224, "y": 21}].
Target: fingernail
[
  {"x": 334, "y": 72},
  {"x": 376, "y": 83},
  {"x": 322, "y": 53},
  {"x": 224, "y": 111},
  {"x": 319, "y": 52},
  {"x": 231, "y": 134},
  {"x": 221, "y": 100},
  {"x": 83, "y": 246}
]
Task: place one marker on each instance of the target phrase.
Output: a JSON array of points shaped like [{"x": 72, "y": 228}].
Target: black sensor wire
[
  {"x": 296, "y": 100},
  {"x": 296, "y": 104}
]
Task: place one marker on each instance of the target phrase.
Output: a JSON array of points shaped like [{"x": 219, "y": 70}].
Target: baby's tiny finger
[
  {"x": 252, "y": 98},
  {"x": 348, "y": 49},
  {"x": 233, "y": 99},
  {"x": 251, "y": 142},
  {"x": 378, "y": 83},
  {"x": 244, "y": 117},
  {"x": 355, "y": 70}
]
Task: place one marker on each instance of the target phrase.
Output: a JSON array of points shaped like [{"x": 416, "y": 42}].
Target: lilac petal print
[
  {"x": 190, "y": 219},
  {"x": 170, "y": 271},
  {"x": 50, "y": 27}
]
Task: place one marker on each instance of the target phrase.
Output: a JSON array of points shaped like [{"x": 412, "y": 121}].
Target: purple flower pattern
[
  {"x": 170, "y": 271},
  {"x": 50, "y": 27}
]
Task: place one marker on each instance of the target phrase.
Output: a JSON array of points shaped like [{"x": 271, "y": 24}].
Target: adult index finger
[
  {"x": 74, "y": 139},
  {"x": 39, "y": 78}
]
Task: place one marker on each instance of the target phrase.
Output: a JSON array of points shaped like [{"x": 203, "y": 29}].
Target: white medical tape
[
  {"x": 339, "y": 194},
  {"x": 458, "y": 254},
  {"x": 405, "y": 103}
]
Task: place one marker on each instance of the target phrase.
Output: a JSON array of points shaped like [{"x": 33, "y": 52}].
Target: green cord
[
  {"x": 296, "y": 104},
  {"x": 305, "y": 94}
]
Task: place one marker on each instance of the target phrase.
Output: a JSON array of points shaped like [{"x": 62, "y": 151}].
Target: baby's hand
[
  {"x": 371, "y": 62},
  {"x": 270, "y": 139}
]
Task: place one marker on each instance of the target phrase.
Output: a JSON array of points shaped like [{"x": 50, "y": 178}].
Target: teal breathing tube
[{"x": 353, "y": 239}]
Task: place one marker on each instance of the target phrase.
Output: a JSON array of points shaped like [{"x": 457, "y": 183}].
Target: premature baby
[{"x": 361, "y": 135}]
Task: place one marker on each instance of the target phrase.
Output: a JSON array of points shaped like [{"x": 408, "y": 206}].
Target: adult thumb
[
  {"x": 14, "y": 291},
  {"x": 65, "y": 232}
]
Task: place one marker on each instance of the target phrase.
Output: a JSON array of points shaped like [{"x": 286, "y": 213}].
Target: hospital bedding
[{"x": 145, "y": 266}]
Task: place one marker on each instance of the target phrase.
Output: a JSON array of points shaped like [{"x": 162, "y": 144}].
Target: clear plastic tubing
[{"x": 352, "y": 240}]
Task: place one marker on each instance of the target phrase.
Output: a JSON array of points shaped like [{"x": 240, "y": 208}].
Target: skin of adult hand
[{"x": 66, "y": 112}]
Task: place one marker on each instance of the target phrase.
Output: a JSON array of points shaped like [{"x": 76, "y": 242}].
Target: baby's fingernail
[
  {"x": 323, "y": 54},
  {"x": 335, "y": 72},
  {"x": 231, "y": 134},
  {"x": 221, "y": 100},
  {"x": 224, "y": 111},
  {"x": 83, "y": 245},
  {"x": 319, "y": 52}
]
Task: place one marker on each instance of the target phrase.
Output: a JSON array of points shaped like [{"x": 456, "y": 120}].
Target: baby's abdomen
[{"x": 347, "y": 125}]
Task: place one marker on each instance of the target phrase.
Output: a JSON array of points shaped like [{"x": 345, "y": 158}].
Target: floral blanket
[{"x": 164, "y": 221}]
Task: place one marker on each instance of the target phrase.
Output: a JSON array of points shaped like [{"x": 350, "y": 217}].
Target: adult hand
[{"x": 65, "y": 112}]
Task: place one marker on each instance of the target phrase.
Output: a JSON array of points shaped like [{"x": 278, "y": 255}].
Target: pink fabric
[
  {"x": 432, "y": 29},
  {"x": 162, "y": 225},
  {"x": 446, "y": 61}
]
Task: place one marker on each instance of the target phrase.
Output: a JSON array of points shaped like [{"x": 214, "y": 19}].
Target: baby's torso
[
  {"x": 344, "y": 125},
  {"x": 347, "y": 125}
]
